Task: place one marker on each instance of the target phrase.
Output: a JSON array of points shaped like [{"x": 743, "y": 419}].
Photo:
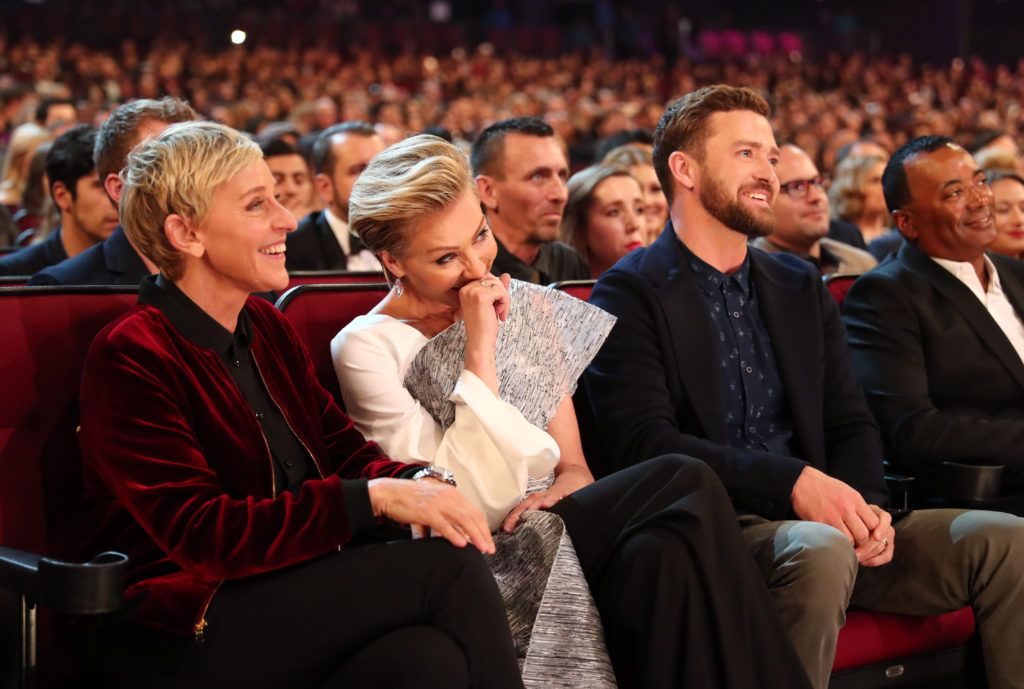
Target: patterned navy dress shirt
[{"x": 755, "y": 407}]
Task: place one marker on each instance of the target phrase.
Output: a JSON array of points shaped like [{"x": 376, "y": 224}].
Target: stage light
[{"x": 238, "y": 37}]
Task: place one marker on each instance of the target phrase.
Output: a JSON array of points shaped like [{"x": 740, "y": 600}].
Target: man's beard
[{"x": 731, "y": 213}]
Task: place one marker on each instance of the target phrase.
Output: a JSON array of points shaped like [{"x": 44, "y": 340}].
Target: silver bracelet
[{"x": 432, "y": 471}]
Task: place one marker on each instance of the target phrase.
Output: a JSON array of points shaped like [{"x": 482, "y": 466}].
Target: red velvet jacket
[{"x": 178, "y": 474}]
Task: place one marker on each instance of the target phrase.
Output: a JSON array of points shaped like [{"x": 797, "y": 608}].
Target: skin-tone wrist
[{"x": 483, "y": 367}]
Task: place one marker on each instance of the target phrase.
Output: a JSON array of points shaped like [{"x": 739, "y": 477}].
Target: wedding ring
[{"x": 885, "y": 542}]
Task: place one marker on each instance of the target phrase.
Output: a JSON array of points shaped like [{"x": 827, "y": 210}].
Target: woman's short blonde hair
[
  {"x": 846, "y": 195},
  {"x": 573, "y": 230},
  {"x": 177, "y": 172},
  {"x": 25, "y": 139},
  {"x": 406, "y": 181}
]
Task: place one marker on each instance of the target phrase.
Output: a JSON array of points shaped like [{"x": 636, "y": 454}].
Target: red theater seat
[
  {"x": 46, "y": 333},
  {"x": 44, "y": 337},
  {"x": 334, "y": 277},
  {"x": 839, "y": 285},
  {"x": 577, "y": 288},
  {"x": 319, "y": 311},
  {"x": 877, "y": 638}
]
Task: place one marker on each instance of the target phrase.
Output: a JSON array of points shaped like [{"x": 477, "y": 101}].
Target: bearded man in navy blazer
[
  {"x": 936, "y": 332},
  {"x": 739, "y": 358}
]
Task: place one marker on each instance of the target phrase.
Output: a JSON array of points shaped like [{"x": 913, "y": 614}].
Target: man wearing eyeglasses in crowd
[{"x": 801, "y": 219}]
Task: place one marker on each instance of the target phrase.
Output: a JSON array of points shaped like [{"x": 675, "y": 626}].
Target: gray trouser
[{"x": 943, "y": 560}]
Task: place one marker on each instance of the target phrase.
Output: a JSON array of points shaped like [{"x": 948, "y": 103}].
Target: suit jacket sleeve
[
  {"x": 886, "y": 344},
  {"x": 627, "y": 386}
]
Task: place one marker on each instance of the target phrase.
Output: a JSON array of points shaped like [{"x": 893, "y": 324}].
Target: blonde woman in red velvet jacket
[{"x": 251, "y": 509}]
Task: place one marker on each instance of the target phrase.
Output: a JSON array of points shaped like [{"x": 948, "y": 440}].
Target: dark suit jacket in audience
[
  {"x": 32, "y": 259},
  {"x": 940, "y": 376},
  {"x": 313, "y": 246},
  {"x": 655, "y": 387},
  {"x": 111, "y": 262}
]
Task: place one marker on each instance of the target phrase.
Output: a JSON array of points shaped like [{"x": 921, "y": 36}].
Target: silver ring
[{"x": 885, "y": 542}]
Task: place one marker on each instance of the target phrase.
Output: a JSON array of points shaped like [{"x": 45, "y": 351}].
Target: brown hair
[
  {"x": 117, "y": 135},
  {"x": 684, "y": 125}
]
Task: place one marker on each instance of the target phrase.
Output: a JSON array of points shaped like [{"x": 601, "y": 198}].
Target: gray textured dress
[{"x": 542, "y": 348}]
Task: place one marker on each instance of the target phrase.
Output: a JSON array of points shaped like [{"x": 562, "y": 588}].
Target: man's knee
[
  {"x": 816, "y": 558},
  {"x": 992, "y": 537}
]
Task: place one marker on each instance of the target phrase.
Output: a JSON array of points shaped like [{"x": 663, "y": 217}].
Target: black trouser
[
  {"x": 401, "y": 614},
  {"x": 681, "y": 599}
]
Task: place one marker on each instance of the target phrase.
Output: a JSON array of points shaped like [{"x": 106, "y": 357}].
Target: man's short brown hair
[
  {"x": 684, "y": 126},
  {"x": 116, "y": 136}
]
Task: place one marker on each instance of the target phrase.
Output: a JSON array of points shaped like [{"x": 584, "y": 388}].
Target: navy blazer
[
  {"x": 655, "y": 387},
  {"x": 940, "y": 376},
  {"x": 313, "y": 246},
  {"x": 111, "y": 262},
  {"x": 34, "y": 258}
]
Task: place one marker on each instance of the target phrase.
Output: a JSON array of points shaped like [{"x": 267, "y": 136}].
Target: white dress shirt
[
  {"x": 994, "y": 300},
  {"x": 361, "y": 260}
]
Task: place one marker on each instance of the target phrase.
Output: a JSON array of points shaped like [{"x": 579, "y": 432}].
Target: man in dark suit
[
  {"x": 739, "y": 358},
  {"x": 115, "y": 261},
  {"x": 322, "y": 240},
  {"x": 521, "y": 172},
  {"x": 86, "y": 216},
  {"x": 936, "y": 332}
]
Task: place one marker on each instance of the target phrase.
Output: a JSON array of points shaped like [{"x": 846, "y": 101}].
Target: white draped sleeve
[{"x": 491, "y": 448}]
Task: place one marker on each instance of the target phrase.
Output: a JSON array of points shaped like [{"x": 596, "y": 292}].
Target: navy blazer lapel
[
  {"x": 791, "y": 314},
  {"x": 690, "y": 330},
  {"x": 973, "y": 311},
  {"x": 332, "y": 252}
]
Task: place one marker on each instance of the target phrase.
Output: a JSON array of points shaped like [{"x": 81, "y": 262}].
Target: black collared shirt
[
  {"x": 555, "y": 262},
  {"x": 292, "y": 462},
  {"x": 755, "y": 408}
]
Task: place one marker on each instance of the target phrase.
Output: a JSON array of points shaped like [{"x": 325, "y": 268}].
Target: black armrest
[
  {"x": 973, "y": 483},
  {"x": 83, "y": 588},
  {"x": 899, "y": 488}
]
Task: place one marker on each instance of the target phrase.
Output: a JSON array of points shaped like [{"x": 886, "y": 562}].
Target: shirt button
[
  {"x": 749, "y": 369},
  {"x": 259, "y": 415},
  {"x": 288, "y": 464},
  {"x": 735, "y": 314},
  {"x": 236, "y": 363},
  {"x": 751, "y": 429}
]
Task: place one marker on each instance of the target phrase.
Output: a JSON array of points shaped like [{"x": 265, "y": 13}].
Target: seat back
[
  {"x": 839, "y": 285},
  {"x": 45, "y": 336},
  {"x": 577, "y": 288},
  {"x": 318, "y": 312},
  {"x": 334, "y": 277}
]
